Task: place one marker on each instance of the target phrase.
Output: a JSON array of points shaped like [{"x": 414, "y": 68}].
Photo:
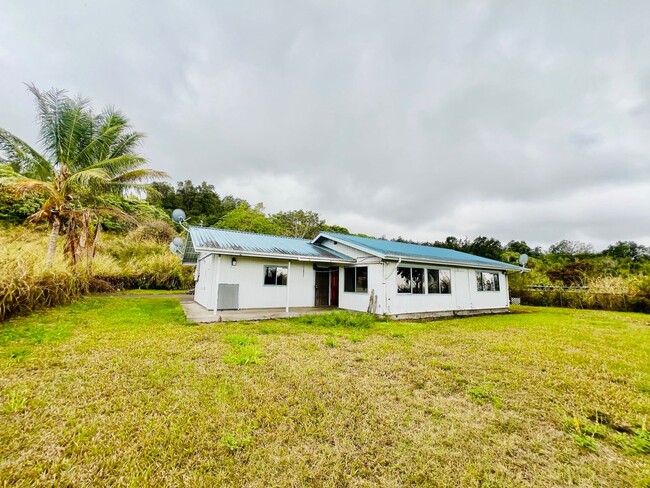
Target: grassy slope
[{"x": 124, "y": 391}]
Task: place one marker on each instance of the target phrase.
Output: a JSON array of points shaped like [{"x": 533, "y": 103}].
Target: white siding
[
  {"x": 204, "y": 278},
  {"x": 464, "y": 294},
  {"x": 253, "y": 293},
  {"x": 360, "y": 301},
  {"x": 489, "y": 299}
]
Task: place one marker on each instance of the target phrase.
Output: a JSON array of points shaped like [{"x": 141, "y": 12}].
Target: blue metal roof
[
  {"x": 385, "y": 248},
  {"x": 247, "y": 243}
]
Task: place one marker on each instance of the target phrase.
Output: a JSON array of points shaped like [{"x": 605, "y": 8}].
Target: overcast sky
[{"x": 517, "y": 120}]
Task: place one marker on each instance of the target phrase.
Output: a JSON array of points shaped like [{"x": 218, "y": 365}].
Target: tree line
[{"x": 206, "y": 207}]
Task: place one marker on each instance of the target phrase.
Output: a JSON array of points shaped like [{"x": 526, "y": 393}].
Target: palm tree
[{"x": 85, "y": 157}]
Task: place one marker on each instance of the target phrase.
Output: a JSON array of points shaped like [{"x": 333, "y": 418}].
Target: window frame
[
  {"x": 439, "y": 292},
  {"x": 497, "y": 281},
  {"x": 425, "y": 281},
  {"x": 356, "y": 279},
  {"x": 264, "y": 268},
  {"x": 411, "y": 281}
]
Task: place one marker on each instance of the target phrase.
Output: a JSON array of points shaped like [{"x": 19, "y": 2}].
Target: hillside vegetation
[{"x": 139, "y": 258}]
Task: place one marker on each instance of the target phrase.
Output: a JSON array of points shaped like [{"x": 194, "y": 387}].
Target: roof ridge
[
  {"x": 250, "y": 233},
  {"x": 461, "y": 256},
  {"x": 392, "y": 240}
]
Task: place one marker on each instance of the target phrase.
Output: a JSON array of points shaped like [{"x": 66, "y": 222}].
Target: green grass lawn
[{"x": 123, "y": 391}]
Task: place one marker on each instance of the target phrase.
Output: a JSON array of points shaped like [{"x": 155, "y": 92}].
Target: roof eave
[
  {"x": 288, "y": 257},
  {"x": 458, "y": 264},
  {"x": 353, "y": 245}
]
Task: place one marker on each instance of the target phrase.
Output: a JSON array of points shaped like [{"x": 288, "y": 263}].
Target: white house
[{"x": 240, "y": 270}]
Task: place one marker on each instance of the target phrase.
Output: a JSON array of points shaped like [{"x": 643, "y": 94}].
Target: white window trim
[
  {"x": 355, "y": 292},
  {"x": 264, "y": 266},
  {"x": 498, "y": 273},
  {"x": 451, "y": 291},
  {"x": 425, "y": 282}
]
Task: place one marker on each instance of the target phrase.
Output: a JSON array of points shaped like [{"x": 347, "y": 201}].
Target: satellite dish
[
  {"x": 523, "y": 259},
  {"x": 179, "y": 216},
  {"x": 176, "y": 245}
]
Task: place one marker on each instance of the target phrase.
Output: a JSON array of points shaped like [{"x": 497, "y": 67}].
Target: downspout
[
  {"x": 383, "y": 285},
  {"x": 469, "y": 288},
  {"x": 399, "y": 261},
  {"x": 216, "y": 285},
  {"x": 288, "y": 284}
]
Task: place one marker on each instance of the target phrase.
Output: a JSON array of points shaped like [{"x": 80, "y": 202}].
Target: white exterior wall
[
  {"x": 249, "y": 275},
  {"x": 464, "y": 294},
  {"x": 360, "y": 301},
  {"x": 202, "y": 274}
]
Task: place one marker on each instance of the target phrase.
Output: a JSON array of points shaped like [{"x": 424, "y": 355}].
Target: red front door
[{"x": 334, "y": 288}]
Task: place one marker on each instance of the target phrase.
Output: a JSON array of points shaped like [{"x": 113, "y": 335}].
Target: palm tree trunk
[
  {"x": 54, "y": 237},
  {"x": 93, "y": 247}
]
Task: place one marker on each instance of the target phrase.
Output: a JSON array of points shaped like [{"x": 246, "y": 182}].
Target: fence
[{"x": 581, "y": 298}]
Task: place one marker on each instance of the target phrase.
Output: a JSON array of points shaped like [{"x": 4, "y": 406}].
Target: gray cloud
[{"x": 420, "y": 119}]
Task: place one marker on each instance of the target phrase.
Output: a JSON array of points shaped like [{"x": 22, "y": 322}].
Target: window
[
  {"x": 275, "y": 275},
  {"x": 356, "y": 279},
  {"x": 487, "y": 281},
  {"x": 439, "y": 281},
  {"x": 410, "y": 280}
]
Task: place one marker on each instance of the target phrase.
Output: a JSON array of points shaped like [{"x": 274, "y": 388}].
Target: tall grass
[
  {"x": 122, "y": 262},
  {"x": 602, "y": 293}
]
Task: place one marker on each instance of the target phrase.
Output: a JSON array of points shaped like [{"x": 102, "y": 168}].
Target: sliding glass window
[
  {"x": 487, "y": 281},
  {"x": 439, "y": 281},
  {"x": 355, "y": 279},
  {"x": 275, "y": 275},
  {"x": 410, "y": 280}
]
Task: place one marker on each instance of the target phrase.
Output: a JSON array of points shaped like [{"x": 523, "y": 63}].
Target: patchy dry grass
[{"x": 123, "y": 391}]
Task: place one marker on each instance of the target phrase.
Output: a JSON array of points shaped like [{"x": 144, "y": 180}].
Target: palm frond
[
  {"x": 110, "y": 124},
  {"x": 23, "y": 158},
  {"x": 140, "y": 175},
  {"x": 76, "y": 128},
  {"x": 114, "y": 212},
  {"x": 120, "y": 165},
  {"x": 126, "y": 144},
  {"x": 99, "y": 147},
  {"x": 83, "y": 181},
  {"x": 21, "y": 184},
  {"x": 52, "y": 106}
]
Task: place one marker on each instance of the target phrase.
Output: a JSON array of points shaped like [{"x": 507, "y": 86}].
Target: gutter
[
  {"x": 291, "y": 257},
  {"x": 458, "y": 264}
]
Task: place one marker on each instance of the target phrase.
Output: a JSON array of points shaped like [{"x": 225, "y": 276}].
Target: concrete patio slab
[{"x": 199, "y": 314}]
